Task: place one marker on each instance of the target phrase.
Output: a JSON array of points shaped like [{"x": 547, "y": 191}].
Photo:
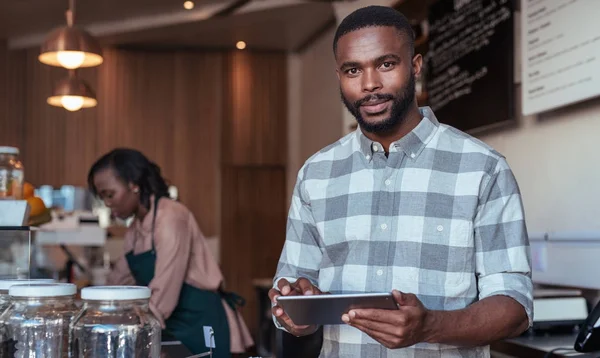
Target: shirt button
[
  {"x": 440, "y": 228},
  {"x": 379, "y": 272},
  {"x": 375, "y": 148},
  {"x": 383, "y": 226},
  {"x": 412, "y": 155},
  {"x": 388, "y": 182},
  {"x": 368, "y": 157}
]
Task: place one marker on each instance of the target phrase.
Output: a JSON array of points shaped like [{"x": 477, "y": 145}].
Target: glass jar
[
  {"x": 5, "y": 284},
  {"x": 115, "y": 322},
  {"x": 11, "y": 174},
  {"x": 37, "y": 321}
]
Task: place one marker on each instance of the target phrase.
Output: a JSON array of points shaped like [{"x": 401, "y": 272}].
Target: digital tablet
[{"x": 328, "y": 309}]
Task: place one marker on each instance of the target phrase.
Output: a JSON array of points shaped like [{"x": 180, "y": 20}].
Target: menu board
[
  {"x": 470, "y": 74},
  {"x": 560, "y": 52}
]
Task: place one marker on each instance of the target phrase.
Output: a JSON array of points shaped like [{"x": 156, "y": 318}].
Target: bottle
[
  {"x": 6, "y": 283},
  {"x": 11, "y": 174},
  {"x": 37, "y": 321},
  {"x": 115, "y": 322}
]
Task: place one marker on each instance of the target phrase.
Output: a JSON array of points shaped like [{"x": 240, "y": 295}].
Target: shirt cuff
[{"x": 514, "y": 285}]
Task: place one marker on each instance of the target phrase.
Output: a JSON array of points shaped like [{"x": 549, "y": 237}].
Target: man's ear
[{"x": 417, "y": 64}]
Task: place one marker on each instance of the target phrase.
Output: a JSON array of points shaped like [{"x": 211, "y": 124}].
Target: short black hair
[
  {"x": 374, "y": 16},
  {"x": 131, "y": 166}
]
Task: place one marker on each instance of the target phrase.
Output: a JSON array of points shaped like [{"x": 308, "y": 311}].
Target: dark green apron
[{"x": 195, "y": 310}]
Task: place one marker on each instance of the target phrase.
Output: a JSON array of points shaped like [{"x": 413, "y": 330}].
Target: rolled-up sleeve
[
  {"x": 503, "y": 258},
  {"x": 172, "y": 238}
]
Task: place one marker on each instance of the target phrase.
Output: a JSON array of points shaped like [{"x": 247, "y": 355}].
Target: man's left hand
[{"x": 393, "y": 328}]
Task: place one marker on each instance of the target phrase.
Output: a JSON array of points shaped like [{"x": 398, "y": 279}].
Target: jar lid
[
  {"x": 43, "y": 290},
  {"x": 9, "y": 150},
  {"x": 6, "y": 283},
  {"x": 115, "y": 293}
]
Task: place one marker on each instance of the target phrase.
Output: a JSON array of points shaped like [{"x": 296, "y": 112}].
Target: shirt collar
[{"x": 411, "y": 144}]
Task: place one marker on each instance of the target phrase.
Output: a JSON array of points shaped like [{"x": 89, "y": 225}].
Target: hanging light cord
[{"x": 70, "y": 14}]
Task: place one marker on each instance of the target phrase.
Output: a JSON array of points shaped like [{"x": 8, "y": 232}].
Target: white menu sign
[{"x": 560, "y": 52}]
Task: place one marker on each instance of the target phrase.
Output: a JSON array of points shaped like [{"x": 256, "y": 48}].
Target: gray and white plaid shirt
[{"x": 440, "y": 217}]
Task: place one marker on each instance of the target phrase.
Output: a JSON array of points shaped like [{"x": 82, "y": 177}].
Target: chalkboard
[{"x": 470, "y": 62}]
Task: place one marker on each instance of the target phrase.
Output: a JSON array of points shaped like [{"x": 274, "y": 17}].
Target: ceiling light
[
  {"x": 188, "y": 5},
  {"x": 240, "y": 45},
  {"x": 72, "y": 94},
  {"x": 70, "y": 47}
]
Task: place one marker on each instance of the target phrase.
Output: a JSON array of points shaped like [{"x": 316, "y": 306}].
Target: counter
[
  {"x": 173, "y": 350},
  {"x": 539, "y": 346}
]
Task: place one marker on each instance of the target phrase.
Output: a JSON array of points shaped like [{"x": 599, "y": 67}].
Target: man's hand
[
  {"x": 301, "y": 287},
  {"x": 393, "y": 328}
]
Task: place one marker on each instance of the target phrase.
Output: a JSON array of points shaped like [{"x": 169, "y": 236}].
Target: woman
[{"x": 166, "y": 251}]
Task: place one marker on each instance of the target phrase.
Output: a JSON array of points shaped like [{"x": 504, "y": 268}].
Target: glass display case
[{"x": 15, "y": 251}]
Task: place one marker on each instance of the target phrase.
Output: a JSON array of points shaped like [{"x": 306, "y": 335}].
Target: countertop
[
  {"x": 539, "y": 346},
  {"x": 173, "y": 350}
]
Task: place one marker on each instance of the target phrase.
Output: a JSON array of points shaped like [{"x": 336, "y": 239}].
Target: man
[{"x": 408, "y": 205}]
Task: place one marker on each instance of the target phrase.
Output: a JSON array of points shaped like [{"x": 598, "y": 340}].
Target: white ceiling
[{"x": 263, "y": 24}]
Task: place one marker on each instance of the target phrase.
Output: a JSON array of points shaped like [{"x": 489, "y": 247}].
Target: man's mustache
[{"x": 373, "y": 97}]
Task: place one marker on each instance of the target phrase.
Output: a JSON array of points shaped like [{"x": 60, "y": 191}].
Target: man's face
[{"x": 377, "y": 76}]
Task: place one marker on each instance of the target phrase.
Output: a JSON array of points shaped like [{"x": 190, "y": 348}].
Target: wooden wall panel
[
  {"x": 59, "y": 146},
  {"x": 253, "y": 193},
  {"x": 166, "y": 104},
  {"x": 253, "y": 229},
  {"x": 256, "y": 114},
  {"x": 12, "y": 96}
]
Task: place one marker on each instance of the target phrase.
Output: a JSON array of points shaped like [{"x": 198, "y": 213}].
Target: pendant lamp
[
  {"x": 70, "y": 47},
  {"x": 73, "y": 94}
]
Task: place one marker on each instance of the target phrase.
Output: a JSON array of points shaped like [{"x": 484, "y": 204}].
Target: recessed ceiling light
[
  {"x": 188, "y": 5},
  {"x": 240, "y": 45}
]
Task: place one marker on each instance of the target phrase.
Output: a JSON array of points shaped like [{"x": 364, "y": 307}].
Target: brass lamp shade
[
  {"x": 71, "y": 47},
  {"x": 73, "y": 94}
]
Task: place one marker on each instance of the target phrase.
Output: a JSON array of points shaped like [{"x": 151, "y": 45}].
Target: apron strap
[
  {"x": 154, "y": 219},
  {"x": 232, "y": 299}
]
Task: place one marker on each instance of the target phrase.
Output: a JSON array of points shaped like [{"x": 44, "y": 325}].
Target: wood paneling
[
  {"x": 168, "y": 105},
  {"x": 255, "y": 118},
  {"x": 253, "y": 229},
  {"x": 12, "y": 96},
  {"x": 58, "y": 146},
  {"x": 253, "y": 146}
]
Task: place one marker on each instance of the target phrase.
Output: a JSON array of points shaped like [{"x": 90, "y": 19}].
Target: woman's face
[{"x": 116, "y": 194}]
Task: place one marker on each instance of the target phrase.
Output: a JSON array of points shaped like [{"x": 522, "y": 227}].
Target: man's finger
[
  {"x": 278, "y": 312},
  {"x": 378, "y": 315},
  {"x": 383, "y": 338},
  {"x": 284, "y": 287},
  {"x": 305, "y": 286},
  {"x": 273, "y": 294},
  {"x": 374, "y": 326},
  {"x": 405, "y": 299}
]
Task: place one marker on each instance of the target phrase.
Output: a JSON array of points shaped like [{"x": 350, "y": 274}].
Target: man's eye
[{"x": 352, "y": 71}]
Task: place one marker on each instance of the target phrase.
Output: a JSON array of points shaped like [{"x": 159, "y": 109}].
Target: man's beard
[{"x": 400, "y": 105}]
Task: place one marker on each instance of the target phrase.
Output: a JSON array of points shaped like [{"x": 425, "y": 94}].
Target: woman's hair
[{"x": 131, "y": 166}]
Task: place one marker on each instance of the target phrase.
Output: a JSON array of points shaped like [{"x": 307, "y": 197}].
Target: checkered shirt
[{"x": 440, "y": 217}]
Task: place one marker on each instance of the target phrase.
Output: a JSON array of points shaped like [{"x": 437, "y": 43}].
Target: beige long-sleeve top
[{"x": 182, "y": 255}]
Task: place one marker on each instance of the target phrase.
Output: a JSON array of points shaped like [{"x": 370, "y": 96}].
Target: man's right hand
[{"x": 301, "y": 287}]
